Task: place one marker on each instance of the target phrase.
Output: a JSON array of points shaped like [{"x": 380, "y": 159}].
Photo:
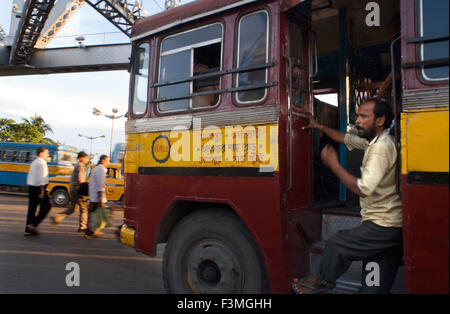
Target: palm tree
[{"x": 39, "y": 122}]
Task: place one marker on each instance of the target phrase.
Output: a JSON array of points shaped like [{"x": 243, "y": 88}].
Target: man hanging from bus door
[
  {"x": 80, "y": 201},
  {"x": 379, "y": 237},
  {"x": 37, "y": 181}
]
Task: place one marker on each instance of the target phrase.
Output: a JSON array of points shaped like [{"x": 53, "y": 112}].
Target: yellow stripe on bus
[
  {"x": 237, "y": 146},
  {"x": 425, "y": 141},
  {"x": 24, "y": 168}
]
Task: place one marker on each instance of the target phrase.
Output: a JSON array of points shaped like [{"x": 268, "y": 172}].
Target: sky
[{"x": 65, "y": 101}]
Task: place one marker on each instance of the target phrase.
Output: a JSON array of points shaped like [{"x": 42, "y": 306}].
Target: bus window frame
[
  {"x": 61, "y": 163},
  {"x": 191, "y": 81},
  {"x": 26, "y": 160},
  {"x": 133, "y": 80},
  {"x": 305, "y": 69},
  {"x": 421, "y": 47},
  {"x": 240, "y": 18},
  {"x": 6, "y": 154}
]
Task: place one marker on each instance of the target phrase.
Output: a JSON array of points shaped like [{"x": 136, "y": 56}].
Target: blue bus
[
  {"x": 118, "y": 153},
  {"x": 15, "y": 160}
]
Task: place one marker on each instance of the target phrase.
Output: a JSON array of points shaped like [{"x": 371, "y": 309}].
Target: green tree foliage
[
  {"x": 29, "y": 131},
  {"x": 39, "y": 123}
]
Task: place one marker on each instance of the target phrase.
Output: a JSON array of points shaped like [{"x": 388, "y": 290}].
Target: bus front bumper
[{"x": 127, "y": 235}]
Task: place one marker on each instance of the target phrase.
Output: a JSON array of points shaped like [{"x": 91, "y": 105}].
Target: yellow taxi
[{"x": 59, "y": 187}]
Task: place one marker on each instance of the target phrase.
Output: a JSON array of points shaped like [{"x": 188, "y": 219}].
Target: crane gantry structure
[{"x": 36, "y": 22}]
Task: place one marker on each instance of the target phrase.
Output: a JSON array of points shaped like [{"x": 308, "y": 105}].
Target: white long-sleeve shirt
[
  {"x": 97, "y": 182},
  {"x": 38, "y": 173}
]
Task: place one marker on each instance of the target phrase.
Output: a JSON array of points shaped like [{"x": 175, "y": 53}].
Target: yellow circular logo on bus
[{"x": 161, "y": 149}]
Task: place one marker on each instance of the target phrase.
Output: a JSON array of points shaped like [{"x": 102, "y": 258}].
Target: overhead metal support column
[
  {"x": 32, "y": 22},
  {"x": 121, "y": 13},
  {"x": 59, "y": 16}
]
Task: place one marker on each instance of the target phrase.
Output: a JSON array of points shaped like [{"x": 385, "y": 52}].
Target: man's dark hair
[
  {"x": 82, "y": 154},
  {"x": 102, "y": 157},
  {"x": 41, "y": 150},
  {"x": 382, "y": 109}
]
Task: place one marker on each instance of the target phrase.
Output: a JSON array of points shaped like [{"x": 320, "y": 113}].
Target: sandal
[{"x": 301, "y": 287}]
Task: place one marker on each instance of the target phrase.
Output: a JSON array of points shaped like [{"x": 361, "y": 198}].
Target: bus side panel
[
  {"x": 130, "y": 212},
  {"x": 255, "y": 200},
  {"x": 426, "y": 237},
  {"x": 13, "y": 174},
  {"x": 425, "y": 170}
]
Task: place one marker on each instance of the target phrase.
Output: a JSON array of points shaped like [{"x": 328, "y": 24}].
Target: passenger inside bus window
[
  {"x": 252, "y": 51},
  {"x": 185, "y": 55},
  {"x": 206, "y": 60}
]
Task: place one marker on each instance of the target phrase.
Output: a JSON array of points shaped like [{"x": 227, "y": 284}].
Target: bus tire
[
  {"x": 212, "y": 251},
  {"x": 60, "y": 197}
]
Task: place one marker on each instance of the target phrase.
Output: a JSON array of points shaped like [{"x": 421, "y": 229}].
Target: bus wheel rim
[{"x": 213, "y": 268}]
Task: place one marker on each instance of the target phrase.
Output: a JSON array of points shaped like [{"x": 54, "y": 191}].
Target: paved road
[{"x": 38, "y": 264}]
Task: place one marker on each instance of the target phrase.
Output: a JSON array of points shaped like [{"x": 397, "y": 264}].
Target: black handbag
[{"x": 84, "y": 189}]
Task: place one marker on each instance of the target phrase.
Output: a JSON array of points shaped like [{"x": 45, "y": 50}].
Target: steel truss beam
[
  {"x": 121, "y": 13},
  {"x": 33, "y": 19},
  {"x": 60, "y": 15},
  {"x": 72, "y": 60}
]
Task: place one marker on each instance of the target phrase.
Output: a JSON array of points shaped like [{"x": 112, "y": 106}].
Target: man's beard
[{"x": 368, "y": 134}]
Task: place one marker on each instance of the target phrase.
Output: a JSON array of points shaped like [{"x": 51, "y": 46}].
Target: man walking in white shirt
[
  {"x": 37, "y": 181},
  {"x": 97, "y": 192}
]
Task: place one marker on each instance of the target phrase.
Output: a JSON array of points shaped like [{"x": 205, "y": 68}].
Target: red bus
[{"x": 217, "y": 164}]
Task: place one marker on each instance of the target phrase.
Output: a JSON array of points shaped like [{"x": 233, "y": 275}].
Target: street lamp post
[
  {"x": 91, "y": 138},
  {"x": 113, "y": 117}
]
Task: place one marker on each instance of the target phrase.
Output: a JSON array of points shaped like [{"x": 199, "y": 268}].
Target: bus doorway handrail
[{"x": 396, "y": 113}]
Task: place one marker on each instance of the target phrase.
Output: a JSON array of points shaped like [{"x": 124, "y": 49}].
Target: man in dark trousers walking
[
  {"x": 37, "y": 181},
  {"x": 78, "y": 201}
]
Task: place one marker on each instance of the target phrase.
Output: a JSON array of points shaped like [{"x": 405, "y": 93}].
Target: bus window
[
  {"x": 10, "y": 155},
  {"x": 194, "y": 52},
  {"x": 67, "y": 159},
  {"x": 23, "y": 156},
  {"x": 253, "y": 46},
  {"x": 298, "y": 65},
  {"x": 434, "y": 22},
  {"x": 112, "y": 173},
  {"x": 53, "y": 156},
  {"x": 141, "y": 79}
]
